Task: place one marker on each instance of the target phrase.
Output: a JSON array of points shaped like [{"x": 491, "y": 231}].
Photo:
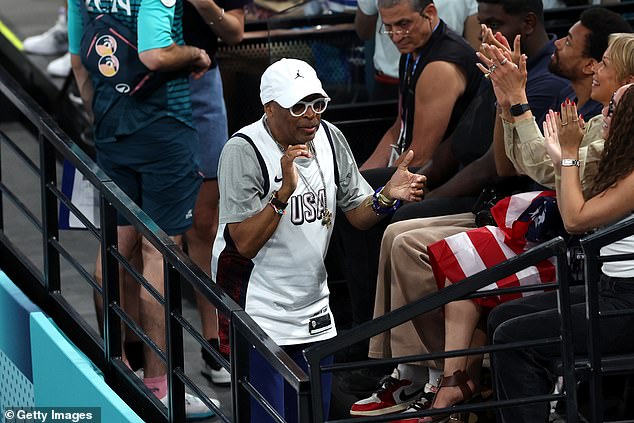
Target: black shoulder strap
[
  {"x": 265, "y": 172},
  {"x": 83, "y": 7},
  {"x": 332, "y": 149}
]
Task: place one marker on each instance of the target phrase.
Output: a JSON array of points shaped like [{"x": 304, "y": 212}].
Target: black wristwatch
[
  {"x": 519, "y": 109},
  {"x": 277, "y": 204}
]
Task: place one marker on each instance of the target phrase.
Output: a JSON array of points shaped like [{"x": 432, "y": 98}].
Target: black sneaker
[
  {"x": 213, "y": 370},
  {"x": 362, "y": 382}
]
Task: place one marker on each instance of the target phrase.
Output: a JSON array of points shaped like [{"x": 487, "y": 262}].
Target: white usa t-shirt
[{"x": 284, "y": 287}]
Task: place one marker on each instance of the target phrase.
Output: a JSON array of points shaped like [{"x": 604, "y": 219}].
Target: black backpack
[{"x": 109, "y": 51}]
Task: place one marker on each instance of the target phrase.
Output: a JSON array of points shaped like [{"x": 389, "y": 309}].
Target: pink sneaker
[{"x": 394, "y": 395}]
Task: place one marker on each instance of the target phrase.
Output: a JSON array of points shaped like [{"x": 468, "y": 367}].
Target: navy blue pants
[{"x": 279, "y": 393}]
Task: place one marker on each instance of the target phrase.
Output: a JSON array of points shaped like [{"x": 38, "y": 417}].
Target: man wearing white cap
[{"x": 281, "y": 180}]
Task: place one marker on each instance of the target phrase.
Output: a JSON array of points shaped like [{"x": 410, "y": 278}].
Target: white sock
[
  {"x": 417, "y": 374},
  {"x": 434, "y": 376}
]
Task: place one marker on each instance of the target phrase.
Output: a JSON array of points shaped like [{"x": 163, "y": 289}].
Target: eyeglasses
[
  {"x": 402, "y": 29},
  {"x": 301, "y": 107}
]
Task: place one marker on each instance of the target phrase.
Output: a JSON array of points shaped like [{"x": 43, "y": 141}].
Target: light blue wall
[
  {"x": 15, "y": 308},
  {"x": 40, "y": 367},
  {"x": 64, "y": 377},
  {"x": 16, "y": 376}
]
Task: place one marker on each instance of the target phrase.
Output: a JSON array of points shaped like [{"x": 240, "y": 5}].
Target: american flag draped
[{"x": 523, "y": 221}]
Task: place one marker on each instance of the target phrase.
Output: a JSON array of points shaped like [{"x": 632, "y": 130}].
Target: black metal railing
[
  {"x": 592, "y": 245},
  {"x": 45, "y": 288},
  {"x": 465, "y": 289}
]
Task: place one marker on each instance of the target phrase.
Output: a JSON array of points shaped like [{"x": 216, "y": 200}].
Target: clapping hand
[
  {"x": 404, "y": 185},
  {"x": 563, "y": 132},
  {"x": 551, "y": 139},
  {"x": 570, "y": 128},
  {"x": 508, "y": 78},
  {"x": 499, "y": 40}
]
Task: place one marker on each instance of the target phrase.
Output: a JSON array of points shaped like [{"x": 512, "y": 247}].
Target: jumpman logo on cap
[{"x": 298, "y": 75}]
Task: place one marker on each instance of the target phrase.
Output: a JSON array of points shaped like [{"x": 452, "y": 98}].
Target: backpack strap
[
  {"x": 332, "y": 149},
  {"x": 265, "y": 172},
  {"x": 83, "y": 8}
]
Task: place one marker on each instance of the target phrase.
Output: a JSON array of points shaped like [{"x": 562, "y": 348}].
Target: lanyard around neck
[{"x": 410, "y": 73}]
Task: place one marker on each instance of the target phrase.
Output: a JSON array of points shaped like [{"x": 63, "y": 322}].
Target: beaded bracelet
[
  {"x": 379, "y": 208},
  {"x": 278, "y": 206}
]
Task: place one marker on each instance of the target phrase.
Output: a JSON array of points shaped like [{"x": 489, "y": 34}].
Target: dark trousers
[
  {"x": 277, "y": 391},
  {"x": 434, "y": 207},
  {"x": 525, "y": 371},
  {"x": 359, "y": 251}
]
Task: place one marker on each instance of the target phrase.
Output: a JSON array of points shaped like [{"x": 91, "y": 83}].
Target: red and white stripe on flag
[{"x": 459, "y": 256}]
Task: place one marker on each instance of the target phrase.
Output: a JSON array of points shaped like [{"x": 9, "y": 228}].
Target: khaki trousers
[{"x": 405, "y": 275}]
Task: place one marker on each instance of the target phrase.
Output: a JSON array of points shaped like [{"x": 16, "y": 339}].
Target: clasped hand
[{"x": 289, "y": 172}]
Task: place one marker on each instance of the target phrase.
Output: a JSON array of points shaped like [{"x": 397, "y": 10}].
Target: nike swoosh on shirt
[
  {"x": 403, "y": 396},
  {"x": 276, "y": 179}
]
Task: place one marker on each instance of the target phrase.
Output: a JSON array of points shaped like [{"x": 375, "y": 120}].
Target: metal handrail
[{"x": 553, "y": 248}]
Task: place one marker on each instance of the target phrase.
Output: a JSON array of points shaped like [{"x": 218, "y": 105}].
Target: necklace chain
[{"x": 327, "y": 216}]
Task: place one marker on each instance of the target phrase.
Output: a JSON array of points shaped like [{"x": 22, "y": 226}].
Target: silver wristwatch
[{"x": 570, "y": 162}]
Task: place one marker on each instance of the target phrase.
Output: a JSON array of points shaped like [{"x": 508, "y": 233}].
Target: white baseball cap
[{"x": 287, "y": 81}]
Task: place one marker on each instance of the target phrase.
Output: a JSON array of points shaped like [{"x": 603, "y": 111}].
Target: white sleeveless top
[{"x": 619, "y": 269}]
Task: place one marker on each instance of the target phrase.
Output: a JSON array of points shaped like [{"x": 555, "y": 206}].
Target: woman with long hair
[{"x": 523, "y": 372}]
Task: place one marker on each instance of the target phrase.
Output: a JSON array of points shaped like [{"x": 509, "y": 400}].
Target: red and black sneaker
[{"x": 394, "y": 395}]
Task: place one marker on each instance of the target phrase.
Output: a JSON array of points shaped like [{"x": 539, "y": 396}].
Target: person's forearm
[
  {"x": 441, "y": 167},
  {"x": 363, "y": 217},
  {"x": 569, "y": 195},
  {"x": 171, "y": 58},
  {"x": 84, "y": 83},
  {"x": 503, "y": 164},
  {"x": 527, "y": 151},
  {"x": 365, "y": 25},
  {"x": 250, "y": 235},
  {"x": 570, "y": 200},
  {"x": 227, "y": 25},
  {"x": 423, "y": 152},
  {"x": 471, "y": 31},
  {"x": 470, "y": 180}
]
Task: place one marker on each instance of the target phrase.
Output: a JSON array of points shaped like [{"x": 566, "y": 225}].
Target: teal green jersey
[{"x": 158, "y": 24}]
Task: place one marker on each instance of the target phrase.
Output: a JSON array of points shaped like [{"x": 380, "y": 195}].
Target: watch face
[
  {"x": 518, "y": 109},
  {"x": 570, "y": 162}
]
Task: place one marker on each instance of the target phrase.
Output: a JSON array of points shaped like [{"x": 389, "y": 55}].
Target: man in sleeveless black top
[{"x": 437, "y": 80}]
